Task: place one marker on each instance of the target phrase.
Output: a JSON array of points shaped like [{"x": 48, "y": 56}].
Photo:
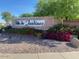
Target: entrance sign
[
  {"x": 41, "y": 23},
  {"x": 30, "y": 22}
]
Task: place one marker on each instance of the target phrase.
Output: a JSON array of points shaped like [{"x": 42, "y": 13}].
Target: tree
[
  {"x": 26, "y": 15},
  {"x": 67, "y": 9},
  {"x": 61, "y": 9},
  {"x": 40, "y": 8},
  {"x": 6, "y": 16}
]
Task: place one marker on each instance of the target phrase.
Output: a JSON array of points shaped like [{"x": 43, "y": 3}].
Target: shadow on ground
[
  {"x": 8, "y": 38},
  {"x": 14, "y": 39},
  {"x": 70, "y": 45}
]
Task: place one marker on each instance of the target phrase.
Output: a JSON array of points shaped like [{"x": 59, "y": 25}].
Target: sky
[{"x": 17, "y": 7}]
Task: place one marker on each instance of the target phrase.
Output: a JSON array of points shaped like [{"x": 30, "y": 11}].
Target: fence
[{"x": 72, "y": 23}]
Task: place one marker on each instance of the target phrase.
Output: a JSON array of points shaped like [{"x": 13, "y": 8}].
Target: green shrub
[
  {"x": 38, "y": 33},
  {"x": 76, "y": 30},
  {"x": 21, "y": 31},
  {"x": 24, "y": 31},
  {"x": 61, "y": 28},
  {"x": 1, "y": 26}
]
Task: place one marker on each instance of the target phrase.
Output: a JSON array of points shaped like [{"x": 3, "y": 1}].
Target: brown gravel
[
  {"x": 30, "y": 44},
  {"x": 34, "y": 48}
]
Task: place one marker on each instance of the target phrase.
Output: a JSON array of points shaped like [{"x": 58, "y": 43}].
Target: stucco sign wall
[{"x": 42, "y": 23}]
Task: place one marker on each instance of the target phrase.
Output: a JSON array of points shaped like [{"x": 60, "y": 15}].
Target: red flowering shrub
[
  {"x": 60, "y": 32},
  {"x": 61, "y": 36},
  {"x": 64, "y": 36},
  {"x": 51, "y": 35}
]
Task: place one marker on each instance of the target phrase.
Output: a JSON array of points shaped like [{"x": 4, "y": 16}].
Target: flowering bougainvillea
[{"x": 61, "y": 36}]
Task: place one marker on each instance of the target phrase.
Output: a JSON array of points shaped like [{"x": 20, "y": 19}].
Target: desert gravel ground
[{"x": 12, "y": 43}]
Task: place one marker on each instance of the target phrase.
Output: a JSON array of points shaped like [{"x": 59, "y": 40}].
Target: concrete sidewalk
[{"x": 64, "y": 55}]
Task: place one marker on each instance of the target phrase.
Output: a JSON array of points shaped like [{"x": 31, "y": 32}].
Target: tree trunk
[{"x": 62, "y": 21}]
